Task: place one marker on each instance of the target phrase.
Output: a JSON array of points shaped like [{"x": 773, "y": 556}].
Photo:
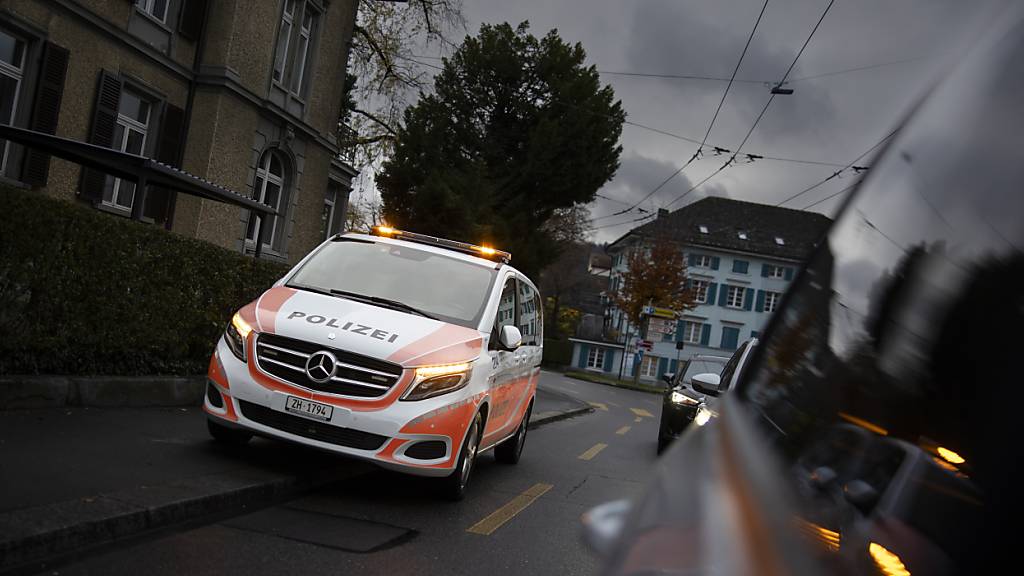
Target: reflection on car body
[{"x": 870, "y": 433}]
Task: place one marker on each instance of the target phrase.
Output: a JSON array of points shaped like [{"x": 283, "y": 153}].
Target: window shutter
[
  {"x": 609, "y": 359},
  {"x": 712, "y": 292},
  {"x": 748, "y": 298},
  {"x": 101, "y": 133},
  {"x": 705, "y": 334},
  {"x": 723, "y": 295},
  {"x": 169, "y": 151},
  {"x": 764, "y": 270},
  {"x": 680, "y": 330},
  {"x": 789, "y": 273},
  {"x": 692, "y": 258},
  {"x": 714, "y": 262},
  {"x": 584, "y": 353},
  {"x": 662, "y": 367},
  {"x": 760, "y": 300},
  {"x": 49, "y": 91},
  {"x": 740, "y": 266},
  {"x": 190, "y": 24}
]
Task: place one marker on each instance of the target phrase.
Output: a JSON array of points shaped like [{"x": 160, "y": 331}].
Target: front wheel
[
  {"x": 454, "y": 485},
  {"x": 509, "y": 451}
]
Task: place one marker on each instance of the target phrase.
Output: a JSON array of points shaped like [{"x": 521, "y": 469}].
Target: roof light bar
[{"x": 465, "y": 248}]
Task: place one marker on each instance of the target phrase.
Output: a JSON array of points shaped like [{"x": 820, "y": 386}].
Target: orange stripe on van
[
  {"x": 216, "y": 371},
  {"x": 447, "y": 344},
  {"x": 270, "y": 304}
]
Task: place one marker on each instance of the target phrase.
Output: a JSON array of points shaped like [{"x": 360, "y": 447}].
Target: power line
[
  {"x": 858, "y": 69},
  {"x": 678, "y": 76},
  {"x": 763, "y": 110},
  {"x": 711, "y": 125},
  {"x": 647, "y": 217},
  {"x": 830, "y": 196},
  {"x": 836, "y": 174}
]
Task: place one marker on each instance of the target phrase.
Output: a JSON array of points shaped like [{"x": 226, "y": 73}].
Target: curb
[
  {"x": 649, "y": 390},
  {"x": 32, "y": 535},
  {"x": 549, "y": 417}
]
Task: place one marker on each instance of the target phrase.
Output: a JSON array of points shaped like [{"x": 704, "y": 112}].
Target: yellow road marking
[
  {"x": 638, "y": 419},
  {"x": 589, "y": 454},
  {"x": 496, "y": 519},
  {"x": 613, "y": 404},
  {"x": 599, "y": 406},
  {"x": 623, "y": 430},
  {"x": 642, "y": 413}
]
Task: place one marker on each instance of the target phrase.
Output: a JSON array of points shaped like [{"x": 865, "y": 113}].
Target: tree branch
[{"x": 373, "y": 117}]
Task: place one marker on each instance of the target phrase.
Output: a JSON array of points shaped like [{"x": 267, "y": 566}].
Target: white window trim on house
[
  {"x": 149, "y": 7},
  {"x": 16, "y": 73},
  {"x": 285, "y": 33},
  {"x": 771, "y": 301},
  {"x": 128, "y": 125},
  {"x": 735, "y": 297},
  {"x": 649, "y": 366},
  {"x": 776, "y": 271},
  {"x": 595, "y": 358},
  {"x": 692, "y": 332},
  {"x": 265, "y": 177},
  {"x": 700, "y": 291},
  {"x": 702, "y": 261},
  {"x": 306, "y": 34}
]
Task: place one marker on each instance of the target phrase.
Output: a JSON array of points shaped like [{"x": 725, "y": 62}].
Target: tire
[
  {"x": 453, "y": 486},
  {"x": 509, "y": 451},
  {"x": 226, "y": 435},
  {"x": 663, "y": 441}
]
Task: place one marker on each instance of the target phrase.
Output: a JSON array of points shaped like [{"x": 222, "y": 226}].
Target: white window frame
[
  {"x": 771, "y": 301},
  {"x": 777, "y": 272},
  {"x": 692, "y": 332},
  {"x": 731, "y": 300},
  {"x": 702, "y": 261},
  {"x": 263, "y": 175},
  {"x": 129, "y": 125},
  {"x": 17, "y": 74},
  {"x": 303, "y": 59},
  {"x": 595, "y": 358},
  {"x": 287, "y": 25},
  {"x": 649, "y": 366},
  {"x": 700, "y": 291},
  {"x": 148, "y": 6}
]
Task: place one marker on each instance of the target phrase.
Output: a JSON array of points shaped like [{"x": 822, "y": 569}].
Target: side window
[
  {"x": 730, "y": 368},
  {"x": 529, "y": 315},
  {"x": 506, "y": 311}
]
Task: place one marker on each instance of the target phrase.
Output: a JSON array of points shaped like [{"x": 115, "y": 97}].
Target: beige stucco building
[{"x": 245, "y": 93}]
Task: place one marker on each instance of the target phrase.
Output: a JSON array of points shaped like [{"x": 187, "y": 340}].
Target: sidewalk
[{"x": 73, "y": 478}]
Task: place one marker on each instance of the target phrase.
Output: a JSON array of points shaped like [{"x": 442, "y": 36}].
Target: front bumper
[
  {"x": 675, "y": 418},
  {"x": 381, "y": 430}
]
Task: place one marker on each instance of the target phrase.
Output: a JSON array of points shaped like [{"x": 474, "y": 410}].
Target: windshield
[
  {"x": 702, "y": 366},
  {"x": 449, "y": 289}
]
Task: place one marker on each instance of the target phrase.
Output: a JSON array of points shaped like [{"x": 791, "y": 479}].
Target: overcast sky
[{"x": 832, "y": 118}]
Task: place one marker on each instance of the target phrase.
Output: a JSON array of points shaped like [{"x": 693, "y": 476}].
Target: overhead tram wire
[
  {"x": 711, "y": 124},
  {"x": 763, "y": 110},
  {"x": 831, "y": 196},
  {"x": 836, "y": 174}
]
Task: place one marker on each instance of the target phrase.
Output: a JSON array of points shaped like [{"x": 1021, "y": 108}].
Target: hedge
[
  {"x": 557, "y": 352},
  {"x": 83, "y": 292}
]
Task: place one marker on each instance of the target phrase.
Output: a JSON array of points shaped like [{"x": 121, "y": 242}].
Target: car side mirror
[
  {"x": 706, "y": 383},
  {"x": 669, "y": 378},
  {"x": 861, "y": 494},
  {"x": 510, "y": 338}
]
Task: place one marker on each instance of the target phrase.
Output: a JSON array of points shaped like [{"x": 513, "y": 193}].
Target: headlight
[
  {"x": 433, "y": 381},
  {"x": 680, "y": 398},
  {"x": 703, "y": 415},
  {"x": 235, "y": 334}
]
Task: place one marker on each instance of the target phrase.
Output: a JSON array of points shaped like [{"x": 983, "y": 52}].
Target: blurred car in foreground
[
  {"x": 696, "y": 391},
  {"x": 872, "y": 430}
]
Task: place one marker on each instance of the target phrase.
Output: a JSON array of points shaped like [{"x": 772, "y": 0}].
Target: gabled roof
[{"x": 725, "y": 219}]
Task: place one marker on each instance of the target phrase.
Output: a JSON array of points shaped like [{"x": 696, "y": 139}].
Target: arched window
[{"x": 271, "y": 189}]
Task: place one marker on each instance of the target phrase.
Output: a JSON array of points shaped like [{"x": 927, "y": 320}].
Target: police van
[{"x": 414, "y": 352}]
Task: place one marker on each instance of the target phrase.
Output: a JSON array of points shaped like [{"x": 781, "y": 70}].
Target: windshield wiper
[{"x": 395, "y": 304}]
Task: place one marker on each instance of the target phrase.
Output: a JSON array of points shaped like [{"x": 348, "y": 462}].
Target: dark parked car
[
  {"x": 692, "y": 394},
  {"x": 874, "y": 429}
]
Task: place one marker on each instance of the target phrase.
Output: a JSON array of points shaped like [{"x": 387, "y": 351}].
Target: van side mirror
[
  {"x": 669, "y": 378},
  {"x": 706, "y": 383},
  {"x": 510, "y": 338}
]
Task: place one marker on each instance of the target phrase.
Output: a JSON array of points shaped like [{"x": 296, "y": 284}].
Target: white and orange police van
[{"x": 414, "y": 352}]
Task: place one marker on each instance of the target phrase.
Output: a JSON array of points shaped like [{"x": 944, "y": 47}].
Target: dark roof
[{"x": 725, "y": 219}]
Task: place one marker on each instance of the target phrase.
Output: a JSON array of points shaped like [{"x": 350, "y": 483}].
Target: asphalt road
[{"x": 521, "y": 519}]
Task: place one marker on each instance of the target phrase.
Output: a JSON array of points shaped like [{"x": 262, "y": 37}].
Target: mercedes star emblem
[{"x": 320, "y": 366}]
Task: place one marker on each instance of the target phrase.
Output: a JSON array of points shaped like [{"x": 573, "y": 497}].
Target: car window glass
[
  {"x": 506, "y": 315},
  {"x": 726, "y": 376},
  {"x": 529, "y": 314},
  {"x": 883, "y": 383},
  {"x": 698, "y": 365}
]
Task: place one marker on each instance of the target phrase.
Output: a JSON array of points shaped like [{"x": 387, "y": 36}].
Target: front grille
[
  {"x": 310, "y": 428},
  {"x": 427, "y": 450},
  {"x": 355, "y": 374}
]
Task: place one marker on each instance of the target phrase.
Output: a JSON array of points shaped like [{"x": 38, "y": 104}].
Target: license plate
[{"x": 308, "y": 408}]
